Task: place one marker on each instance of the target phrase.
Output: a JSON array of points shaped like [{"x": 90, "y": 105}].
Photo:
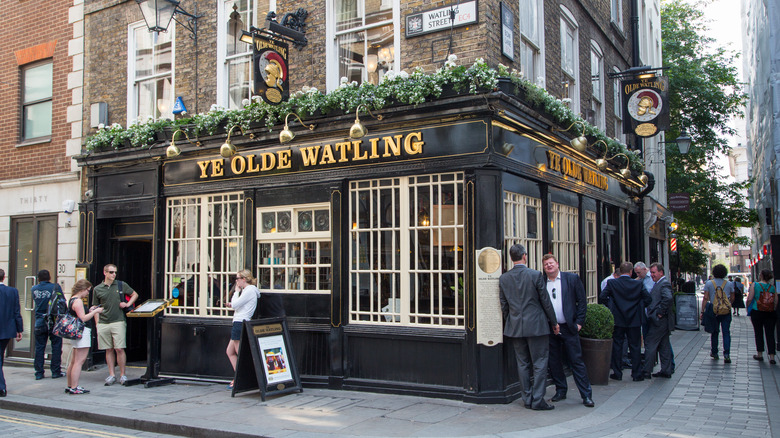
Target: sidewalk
[{"x": 704, "y": 398}]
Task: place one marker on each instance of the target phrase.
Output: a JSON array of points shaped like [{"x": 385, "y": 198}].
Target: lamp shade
[
  {"x": 158, "y": 13},
  {"x": 684, "y": 142}
]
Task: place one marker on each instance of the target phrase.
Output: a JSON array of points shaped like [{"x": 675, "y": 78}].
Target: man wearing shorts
[{"x": 112, "y": 326}]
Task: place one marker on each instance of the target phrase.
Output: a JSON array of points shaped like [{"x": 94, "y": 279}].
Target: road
[{"x": 22, "y": 424}]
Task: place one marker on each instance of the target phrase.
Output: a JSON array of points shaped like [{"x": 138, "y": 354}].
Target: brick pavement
[{"x": 704, "y": 398}]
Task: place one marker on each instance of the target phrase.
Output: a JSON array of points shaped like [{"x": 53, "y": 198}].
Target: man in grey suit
[
  {"x": 659, "y": 318},
  {"x": 528, "y": 315},
  {"x": 11, "y": 324}
]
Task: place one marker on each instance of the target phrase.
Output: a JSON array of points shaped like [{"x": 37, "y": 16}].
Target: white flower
[
  {"x": 313, "y": 90},
  {"x": 245, "y": 102},
  {"x": 116, "y": 126},
  {"x": 354, "y": 83},
  {"x": 101, "y": 126},
  {"x": 389, "y": 76},
  {"x": 214, "y": 107},
  {"x": 305, "y": 89},
  {"x": 403, "y": 74},
  {"x": 540, "y": 81},
  {"x": 452, "y": 58},
  {"x": 256, "y": 98},
  {"x": 566, "y": 100},
  {"x": 344, "y": 80}
]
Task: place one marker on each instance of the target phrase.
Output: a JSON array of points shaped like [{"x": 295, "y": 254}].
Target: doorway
[
  {"x": 33, "y": 247},
  {"x": 133, "y": 259}
]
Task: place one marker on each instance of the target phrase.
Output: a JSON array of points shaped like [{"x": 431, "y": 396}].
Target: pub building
[{"x": 372, "y": 243}]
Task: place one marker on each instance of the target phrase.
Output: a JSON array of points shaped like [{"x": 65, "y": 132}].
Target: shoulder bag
[{"x": 69, "y": 326}]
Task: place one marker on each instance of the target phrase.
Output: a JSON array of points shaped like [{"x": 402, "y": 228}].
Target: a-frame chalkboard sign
[{"x": 265, "y": 359}]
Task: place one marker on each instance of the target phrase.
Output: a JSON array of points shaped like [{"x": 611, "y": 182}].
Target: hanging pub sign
[
  {"x": 272, "y": 80},
  {"x": 645, "y": 101}
]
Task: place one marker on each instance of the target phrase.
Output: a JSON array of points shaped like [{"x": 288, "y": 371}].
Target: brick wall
[
  {"x": 106, "y": 47},
  {"x": 24, "y": 26}
]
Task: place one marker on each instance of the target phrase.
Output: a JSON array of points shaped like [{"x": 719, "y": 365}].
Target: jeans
[
  {"x": 724, "y": 324},
  {"x": 41, "y": 336}
]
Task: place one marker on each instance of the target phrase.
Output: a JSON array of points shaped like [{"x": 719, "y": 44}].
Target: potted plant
[{"x": 596, "y": 341}]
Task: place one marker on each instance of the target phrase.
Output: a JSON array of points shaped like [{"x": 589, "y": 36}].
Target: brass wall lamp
[
  {"x": 175, "y": 151},
  {"x": 358, "y": 130},
  {"x": 603, "y": 162},
  {"x": 228, "y": 149},
  {"x": 286, "y": 135},
  {"x": 580, "y": 143}
]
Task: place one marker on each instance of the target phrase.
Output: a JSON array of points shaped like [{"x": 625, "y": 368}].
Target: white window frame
[
  {"x": 531, "y": 24},
  {"x": 617, "y": 98},
  {"x": 565, "y": 242},
  {"x": 332, "y": 75},
  {"x": 570, "y": 57},
  {"x": 398, "y": 297},
  {"x": 597, "y": 80},
  {"x": 281, "y": 267},
  {"x": 24, "y": 104},
  {"x": 188, "y": 261},
  {"x": 225, "y": 8},
  {"x": 616, "y": 7},
  {"x": 517, "y": 228},
  {"x": 132, "y": 81}
]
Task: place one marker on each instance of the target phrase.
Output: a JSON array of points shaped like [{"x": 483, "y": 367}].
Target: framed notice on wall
[
  {"x": 265, "y": 359},
  {"x": 507, "y": 32}
]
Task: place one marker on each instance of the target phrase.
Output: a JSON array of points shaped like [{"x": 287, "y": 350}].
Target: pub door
[{"x": 133, "y": 259}]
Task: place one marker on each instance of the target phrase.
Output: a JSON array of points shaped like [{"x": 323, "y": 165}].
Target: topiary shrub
[{"x": 599, "y": 322}]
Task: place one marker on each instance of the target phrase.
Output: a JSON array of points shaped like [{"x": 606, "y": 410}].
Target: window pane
[
  {"x": 37, "y": 120},
  {"x": 239, "y": 80},
  {"x": 38, "y": 83},
  {"x": 239, "y": 14}
]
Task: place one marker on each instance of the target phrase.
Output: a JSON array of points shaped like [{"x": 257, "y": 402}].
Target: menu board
[{"x": 687, "y": 312}]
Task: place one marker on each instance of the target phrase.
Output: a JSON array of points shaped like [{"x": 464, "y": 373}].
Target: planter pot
[{"x": 597, "y": 354}]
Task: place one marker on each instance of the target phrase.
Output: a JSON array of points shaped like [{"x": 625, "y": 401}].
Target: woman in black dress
[{"x": 739, "y": 296}]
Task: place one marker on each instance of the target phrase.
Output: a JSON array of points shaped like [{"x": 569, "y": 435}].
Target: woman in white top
[{"x": 243, "y": 302}]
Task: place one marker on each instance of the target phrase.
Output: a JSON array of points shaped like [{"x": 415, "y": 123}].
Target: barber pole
[{"x": 673, "y": 244}]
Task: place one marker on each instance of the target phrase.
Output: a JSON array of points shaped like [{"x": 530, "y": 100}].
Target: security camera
[{"x": 89, "y": 194}]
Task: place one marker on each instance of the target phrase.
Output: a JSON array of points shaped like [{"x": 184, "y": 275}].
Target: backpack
[
  {"x": 766, "y": 300},
  {"x": 57, "y": 307},
  {"x": 720, "y": 303}
]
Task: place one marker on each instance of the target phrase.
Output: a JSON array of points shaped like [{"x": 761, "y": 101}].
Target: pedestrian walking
[
  {"x": 762, "y": 309},
  {"x": 11, "y": 323},
  {"x": 528, "y": 316},
  {"x": 739, "y": 296},
  {"x": 78, "y": 308},
  {"x": 42, "y": 293},
  {"x": 714, "y": 291}
]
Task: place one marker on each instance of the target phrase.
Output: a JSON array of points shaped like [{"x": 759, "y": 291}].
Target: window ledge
[
  {"x": 618, "y": 29},
  {"x": 34, "y": 141}
]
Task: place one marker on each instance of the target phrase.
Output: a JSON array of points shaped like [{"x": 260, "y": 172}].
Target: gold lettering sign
[
  {"x": 268, "y": 329},
  {"x": 318, "y": 155},
  {"x": 572, "y": 169}
]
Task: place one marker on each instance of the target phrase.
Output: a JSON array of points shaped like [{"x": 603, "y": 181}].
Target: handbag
[
  {"x": 69, "y": 326},
  {"x": 709, "y": 320}
]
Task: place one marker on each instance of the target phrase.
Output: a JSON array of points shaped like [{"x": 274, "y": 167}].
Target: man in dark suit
[
  {"x": 11, "y": 324},
  {"x": 528, "y": 317},
  {"x": 567, "y": 295},
  {"x": 659, "y": 318},
  {"x": 628, "y": 298}
]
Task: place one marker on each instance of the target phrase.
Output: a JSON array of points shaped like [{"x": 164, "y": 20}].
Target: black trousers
[
  {"x": 764, "y": 324},
  {"x": 568, "y": 341},
  {"x": 634, "y": 335}
]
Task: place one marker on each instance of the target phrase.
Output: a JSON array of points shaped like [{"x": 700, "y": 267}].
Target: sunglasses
[
  {"x": 111, "y": 272},
  {"x": 553, "y": 293}
]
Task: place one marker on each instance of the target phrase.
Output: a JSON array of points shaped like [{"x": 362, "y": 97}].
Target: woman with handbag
[
  {"x": 81, "y": 346},
  {"x": 243, "y": 302},
  {"x": 763, "y": 302}
]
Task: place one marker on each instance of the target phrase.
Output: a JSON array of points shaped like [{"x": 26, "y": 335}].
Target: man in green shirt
[{"x": 112, "y": 326}]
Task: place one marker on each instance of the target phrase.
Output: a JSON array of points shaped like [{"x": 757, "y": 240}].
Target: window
[
  {"x": 617, "y": 100},
  {"x": 204, "y": 248},
  {"x": 532, "y": 40},
  {"x": 570, "y": 58},
  {"x": 234, "y": 74},
  {"x": 406, "y": 251},
  {"x": 591, "y": 275},
  {"x": 523, "y": 225},
  {"x": 617, "y": 13},
  {"x": 36, "y": 101},
  {"x": 597, "y": 80},
  {"x": 365, "y": 37},
  {"x": 565, "y": 242},
  {"x": 294, "y": 249},
  {"x": 150, "y": 73}
]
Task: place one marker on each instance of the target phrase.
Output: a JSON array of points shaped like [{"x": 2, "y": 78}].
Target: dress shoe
[
  {"x": 647, "y": 376},
  {"x": 638, "y": 379},
  {"x": 37, "y": 377},
  {"x": 527, "y": 406},
  {"x": 558, "y": 397},
  {"x": 662, "y": 374},
  {"x": 614, "y": 376},
  {"x": 587, "y": 401},
  {"x": 544, "y": 407},
  {"x": 3, "y": 392}
]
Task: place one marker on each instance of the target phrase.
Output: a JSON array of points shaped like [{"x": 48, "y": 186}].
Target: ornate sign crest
[
  {"x": 645, "y": 103},
  {"x": 271, "y": 76}
]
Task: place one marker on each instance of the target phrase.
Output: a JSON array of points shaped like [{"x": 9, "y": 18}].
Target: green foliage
[
  {"x": 599, "y": 322},
  {"x": 705, "y": 95},
  {"x": 411, "y": 89}
]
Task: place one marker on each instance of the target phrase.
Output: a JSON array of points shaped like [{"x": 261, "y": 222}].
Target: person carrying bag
[{"x": 763, "y": 302}]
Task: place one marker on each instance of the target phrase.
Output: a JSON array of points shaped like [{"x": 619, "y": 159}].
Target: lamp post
[
  {"x": 158, "y": 15},
  {"x": 684, "y": 141}
]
